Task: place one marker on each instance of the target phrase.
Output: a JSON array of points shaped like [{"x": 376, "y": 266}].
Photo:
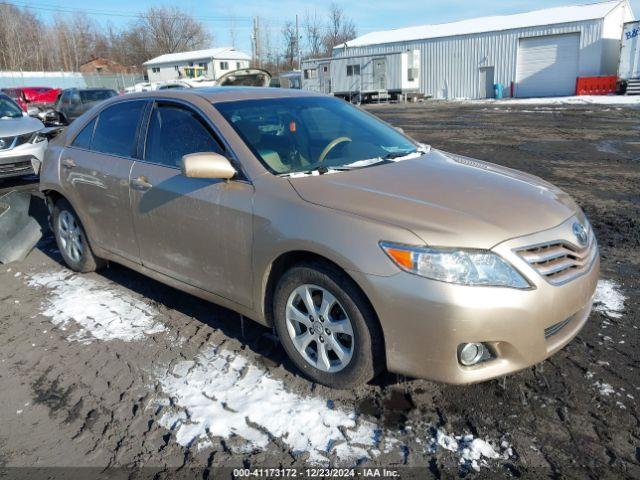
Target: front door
[
  {"x": 379, "y": 74},
  {"x": 197, "y": 231},
  {"x": 487, "y": 82},
  {"x": 324, "y": 77},
  {"x": 95, "y": 171}
]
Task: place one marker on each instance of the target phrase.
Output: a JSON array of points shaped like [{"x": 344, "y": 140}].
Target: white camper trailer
[
  {"x": 316, "y": 75},
  {"x": 377, "y": 76},
  {"x": 629, "y": 68}
]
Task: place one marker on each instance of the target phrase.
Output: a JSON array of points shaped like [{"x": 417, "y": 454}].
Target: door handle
[
  {"x": 68, "y": 163},
  {"x": 141, "y": 183}
]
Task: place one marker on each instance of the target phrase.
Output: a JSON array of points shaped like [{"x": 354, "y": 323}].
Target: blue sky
[{"x": 369, "y": 15}]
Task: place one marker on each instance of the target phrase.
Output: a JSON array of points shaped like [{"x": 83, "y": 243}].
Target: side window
[
  {"x": 83, "y": 139},
  {"x": 64, "y": 98},
  {"x": 75, "y": 97},
  {"x": 115, "y": 133},
  {"x": 175, "y": 131}
]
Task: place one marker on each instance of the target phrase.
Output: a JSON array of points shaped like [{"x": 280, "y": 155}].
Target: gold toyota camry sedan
[{"x": 364, "y": 249}]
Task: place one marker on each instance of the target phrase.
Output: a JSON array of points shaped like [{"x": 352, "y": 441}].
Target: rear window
[
  {"x": 96, "y": 95},
  {"x": 117, "y": 128}
]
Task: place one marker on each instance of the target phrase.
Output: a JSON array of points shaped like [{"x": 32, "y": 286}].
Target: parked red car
[{"x": 33, "y": 96}]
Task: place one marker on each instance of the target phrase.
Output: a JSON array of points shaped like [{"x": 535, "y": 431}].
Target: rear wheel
[
  {"x": 327, "y": 327},
  {"x": 72, "y": 239}
]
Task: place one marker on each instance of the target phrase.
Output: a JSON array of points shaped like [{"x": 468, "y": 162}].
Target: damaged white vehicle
[{"x": 22, "y": 142}]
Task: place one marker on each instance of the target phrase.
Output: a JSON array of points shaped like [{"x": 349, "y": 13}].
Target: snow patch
[
  {"x": 604, "y": 388},
  {"x": 609, "y": 299},
  {"x": 221, "y": 394},
  {"x": 575, "y": 100},
  {"x": 472, "y": 452},
  {"x": 99, "y": 311}
]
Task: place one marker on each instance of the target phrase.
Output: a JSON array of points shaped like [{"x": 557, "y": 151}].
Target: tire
[
  {"x": 365, "y": 343},
  {"x": 85, "y": 261}
]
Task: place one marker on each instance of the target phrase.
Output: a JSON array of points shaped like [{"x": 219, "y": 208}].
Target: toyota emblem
[{"x": 581, "y": 233}]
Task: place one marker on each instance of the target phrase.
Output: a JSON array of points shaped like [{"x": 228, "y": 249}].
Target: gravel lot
[{"x": 114, "y": 369}]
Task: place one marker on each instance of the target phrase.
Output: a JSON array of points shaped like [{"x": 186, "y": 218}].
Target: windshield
[
  {"x": 9, "y": 109},
  {"x": 96, "y": 95},
  {"x": 301, "y": 134}
]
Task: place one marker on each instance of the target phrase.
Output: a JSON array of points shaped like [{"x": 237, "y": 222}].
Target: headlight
[
  {"x": 464, "y": 267},
  {"x": 38, "y": 137}
]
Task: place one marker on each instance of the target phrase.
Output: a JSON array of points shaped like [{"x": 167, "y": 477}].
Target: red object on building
[{"x": 596, "y": 85}]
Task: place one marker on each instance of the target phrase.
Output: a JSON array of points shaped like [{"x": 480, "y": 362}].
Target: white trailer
[
  {"x": 316, "y": 75},
  {"x": 629, "y": 68},
  {"x": 377, "y": 76}
]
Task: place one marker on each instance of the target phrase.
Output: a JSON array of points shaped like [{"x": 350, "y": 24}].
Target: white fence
[{"x": 116, "y": 81}]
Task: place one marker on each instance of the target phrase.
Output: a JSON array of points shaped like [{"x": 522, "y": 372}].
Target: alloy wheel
[
  {"x": 70, "y": 235},
  {"x": 320, "y": 328}
]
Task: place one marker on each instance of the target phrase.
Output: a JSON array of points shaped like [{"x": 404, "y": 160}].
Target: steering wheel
[{"x": 333, "y": 144}]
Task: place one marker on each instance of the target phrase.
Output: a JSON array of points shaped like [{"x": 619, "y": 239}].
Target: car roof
[
  {"x": 226, "y": 94},
  {"x": 95, "y": 89}
]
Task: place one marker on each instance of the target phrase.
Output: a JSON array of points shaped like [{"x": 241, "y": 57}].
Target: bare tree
[
  {"x": 233, "y": 32},
  {"x": 340, "y": 29},
  {"x": 290, "y": 45},
  {"x": 21, "y": 47},
  {"x": 312, "y": 27},
  {"x": 170, "y": 30}
]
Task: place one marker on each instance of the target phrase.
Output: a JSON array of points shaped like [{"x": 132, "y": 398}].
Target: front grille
[
  {"x": 15, "y": 167},
  {"x": 555, "y": 328},
  {"x": 560, "y": 261}
]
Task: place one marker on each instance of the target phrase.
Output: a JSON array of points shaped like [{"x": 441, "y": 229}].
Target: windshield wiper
[{"x": 394, "y": 155}]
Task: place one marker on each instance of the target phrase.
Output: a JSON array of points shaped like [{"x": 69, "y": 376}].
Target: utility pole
[
  {"x": 255, "y": 41},
  {"x": 298, "y": 49}
]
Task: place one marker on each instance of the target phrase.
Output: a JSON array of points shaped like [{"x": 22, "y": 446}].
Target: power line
[{"x": 113, "y": 13}]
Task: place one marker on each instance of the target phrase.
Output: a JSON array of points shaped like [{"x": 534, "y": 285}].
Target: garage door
[{"x": 548, "y": 66}]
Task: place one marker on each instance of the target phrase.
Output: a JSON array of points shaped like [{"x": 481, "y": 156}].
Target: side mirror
[
  {"x": 207, "y": 165},
  {"x": 33, "y": 111},
  {"x": 399, "y": 129}
]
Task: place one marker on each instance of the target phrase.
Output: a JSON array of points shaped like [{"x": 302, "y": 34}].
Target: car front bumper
[
  {"x": 425, "y": 321},
  {"x": 22, "y": 160}
]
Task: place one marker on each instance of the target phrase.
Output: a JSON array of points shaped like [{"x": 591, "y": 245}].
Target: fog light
[{"x": 470, "y": 353}]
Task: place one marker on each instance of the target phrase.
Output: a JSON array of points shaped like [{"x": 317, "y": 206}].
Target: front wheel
[{"x": 327, "y": 326}]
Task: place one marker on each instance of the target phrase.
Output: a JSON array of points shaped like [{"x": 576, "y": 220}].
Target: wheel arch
[
  {"x": 52, "y": 196},
  {"x": 286, "y": 261}
]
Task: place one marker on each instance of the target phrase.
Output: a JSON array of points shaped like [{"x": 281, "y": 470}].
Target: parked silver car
[{"x": 22, "y": 144}]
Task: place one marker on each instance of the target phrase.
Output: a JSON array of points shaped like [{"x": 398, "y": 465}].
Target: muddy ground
[{"x": 114, "y": 369}]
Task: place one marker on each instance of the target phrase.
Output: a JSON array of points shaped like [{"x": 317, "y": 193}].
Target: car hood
[
  {"x": 445, "y": 199},
  {"x": 10, "y": 127}
]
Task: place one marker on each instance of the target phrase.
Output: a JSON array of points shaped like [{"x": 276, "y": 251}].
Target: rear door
[
  {"x": 95, "y": 170},
  {"x": 197, "y": 231}
]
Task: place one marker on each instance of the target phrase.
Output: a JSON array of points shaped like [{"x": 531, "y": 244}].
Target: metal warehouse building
[{"x": 540, "y": 53}]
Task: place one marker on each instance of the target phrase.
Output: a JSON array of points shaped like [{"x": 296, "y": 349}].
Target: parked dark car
[{"x": 73, "y": 102}]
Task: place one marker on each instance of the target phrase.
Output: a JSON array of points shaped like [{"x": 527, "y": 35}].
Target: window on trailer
[{"x": 353, "y": 70}]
